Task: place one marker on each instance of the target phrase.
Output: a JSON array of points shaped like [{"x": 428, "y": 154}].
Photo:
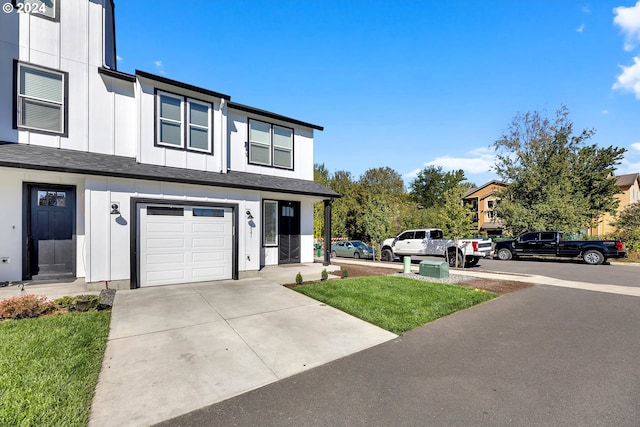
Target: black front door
[
  {"x": 50, "y": 232},
  {"x": 289, "y": 232}
]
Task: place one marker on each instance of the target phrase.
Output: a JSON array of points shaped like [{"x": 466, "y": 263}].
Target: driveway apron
[{"x": 173, "y": 349}]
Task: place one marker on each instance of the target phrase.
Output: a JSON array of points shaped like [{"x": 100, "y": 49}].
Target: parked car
[
  {"x": 352, "y": 249},
  {"x": 430, "y": 242},
  {"x": 549, "y": 244}
]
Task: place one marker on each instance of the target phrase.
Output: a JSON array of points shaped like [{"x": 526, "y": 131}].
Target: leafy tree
[
  {"x": 628, "y": 224},
  {"x": 321, "y": 175},
  {"x": 555, "y": 180},
  {"x": 376, "y": 221},
  {"x": 432, "y": 183},
  {"x": 344, "y": 209},
  {"x": 455, "y": 218}
]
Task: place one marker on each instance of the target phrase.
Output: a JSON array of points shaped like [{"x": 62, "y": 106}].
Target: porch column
[{"x": 327, "y": 231}]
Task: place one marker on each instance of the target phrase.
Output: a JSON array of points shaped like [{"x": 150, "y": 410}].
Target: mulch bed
[{"x": 496, "y": 286}]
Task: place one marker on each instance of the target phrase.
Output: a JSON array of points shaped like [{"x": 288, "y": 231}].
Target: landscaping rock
[{"x": 105, "y": 299}]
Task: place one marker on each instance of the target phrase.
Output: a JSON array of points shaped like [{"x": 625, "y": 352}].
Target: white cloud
[
  {"x": 636, "y": 146},
  {"x": 604, "y": 112},
  {"x": 478, "y": 161},
  {"x": 580, "y": 28},
  {"x": 160, "y": 66},
  {"x": 629, "y": 80},
  {"x": 586, "y": 10},
  {"x": 119, "y": 58},
  {"x": 628, "y": 18}
]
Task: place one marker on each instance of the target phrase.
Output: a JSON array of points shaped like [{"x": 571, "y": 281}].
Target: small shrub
[
  {"x": 298, "y": 279},
  {"x": 344, "y": 273},
  {"x": 25, "y": 306},
  {"x": 324, "y": 275},
  {"x": 65, "y": 302},
  {"x": 86, "y": 302}
]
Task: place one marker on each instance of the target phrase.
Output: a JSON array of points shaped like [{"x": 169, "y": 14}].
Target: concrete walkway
[{"x": 173, "y": 349}]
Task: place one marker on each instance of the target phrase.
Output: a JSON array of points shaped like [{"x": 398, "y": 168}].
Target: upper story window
[
  {"x": 46, "y": 8},
  {"x": 183, "y": 123},
  {"x": 270, "y": 145},
  {"x": 41, "y": 96}
]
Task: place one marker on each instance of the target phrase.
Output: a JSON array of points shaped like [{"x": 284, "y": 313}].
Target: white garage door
[{"x": 180, "y": 244}]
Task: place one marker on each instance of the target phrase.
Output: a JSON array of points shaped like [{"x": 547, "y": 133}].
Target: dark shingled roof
[{"x": 59, "y": 160}]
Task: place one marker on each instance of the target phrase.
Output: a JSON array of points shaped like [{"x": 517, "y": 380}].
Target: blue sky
[{"x": 403, "y": 84}]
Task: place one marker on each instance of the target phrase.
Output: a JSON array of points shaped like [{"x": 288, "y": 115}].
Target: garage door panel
[
  {"x": 163, "y": 227},
  {"x": 196, "y": 246},
  {"x": 164, "y": 276},
  {"x": 166, "y": 258},
  {"x": 203, "y": 273},
  {"x": 159, "y": 243},
  {"x": 209, "y": 257},
  {"x": 213, "y": 243},
  {"x": 209, "y": 228}
]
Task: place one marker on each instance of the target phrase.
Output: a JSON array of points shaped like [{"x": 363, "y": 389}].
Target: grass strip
[
  {"x": 397, "y": 304},
  {"x": 49, "y": 368}
]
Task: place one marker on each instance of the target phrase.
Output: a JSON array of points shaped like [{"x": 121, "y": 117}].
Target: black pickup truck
[{"x": 548, "y": 243}]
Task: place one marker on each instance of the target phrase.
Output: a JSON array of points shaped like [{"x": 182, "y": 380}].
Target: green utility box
[{"x": 437, "y": 269}]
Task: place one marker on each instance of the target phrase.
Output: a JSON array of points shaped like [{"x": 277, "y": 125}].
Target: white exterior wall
[
  {"x": 238, "y": 136},
  {"x": 109, "y": 115},
  {"x": 96, "y": 105},
  {"x": 11, "y": 217},
  {"x": 157, "y": 155},
  {"x": 108, "y": 235}
]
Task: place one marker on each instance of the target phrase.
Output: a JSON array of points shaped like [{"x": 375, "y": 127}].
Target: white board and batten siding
[{"x": 182, "y": 244}]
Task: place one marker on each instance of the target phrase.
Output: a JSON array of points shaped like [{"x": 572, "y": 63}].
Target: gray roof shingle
[{"x": 26, "y": 156}]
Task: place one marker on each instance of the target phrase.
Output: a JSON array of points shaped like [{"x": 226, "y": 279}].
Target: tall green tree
[
  {"x": 455, "y": 218},
  {"x": 628, "y": 224},
  {"x": 376, "y": 221},
  {"x": 321, "y": 175},
  {"x": 429, "y": 187},
  {"x": 555, "y": 180}
]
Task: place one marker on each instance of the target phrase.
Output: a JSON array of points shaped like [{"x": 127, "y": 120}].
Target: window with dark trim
[
  {"x": 270, "y": 223},
  {"x": 41, "y": 95},
  {"x": 48, "y": 9},
  {"x": 270, "y": 145},
  {"x": 183, "y": 123},
  {"x": 165, "y": 211}
]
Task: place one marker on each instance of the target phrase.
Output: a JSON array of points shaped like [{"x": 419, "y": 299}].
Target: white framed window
[
  {"x": 270, "y": 223},
  {"x": 199, "y": 120},
  {"x": 40, "y": 99},
  {"x": 270, "y": 145},
  {"x": 46, "y": 8},
  {"x": 170, "y": 114},
  {"x": 183, "y": 123}
]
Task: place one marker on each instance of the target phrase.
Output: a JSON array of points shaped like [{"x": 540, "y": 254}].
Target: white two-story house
[{"x": 137, "y": 179}]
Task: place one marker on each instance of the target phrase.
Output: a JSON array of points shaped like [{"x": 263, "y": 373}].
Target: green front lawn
[
  {"x": 49, "y": 368},
  {"x": 397, "y": 304}
]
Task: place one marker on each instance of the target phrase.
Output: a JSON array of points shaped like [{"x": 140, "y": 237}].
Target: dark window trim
[
  {"x": 134, "y": 256},
  {"x": 185, "y": 123},
  {"x": 56, "y": 18},
  {"x": 271, "y": 146},
  {"x": 65, "y": 99}
]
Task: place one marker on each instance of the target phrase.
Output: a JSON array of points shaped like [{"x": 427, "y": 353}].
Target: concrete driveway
[
  {"x": 173, "y": 349},
  {"x": 543, "y": 356}
]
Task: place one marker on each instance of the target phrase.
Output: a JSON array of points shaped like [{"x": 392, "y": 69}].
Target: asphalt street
[{"x": 542, "y": 356}]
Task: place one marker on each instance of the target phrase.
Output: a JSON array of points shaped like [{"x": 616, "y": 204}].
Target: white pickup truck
[{"x": 429, "y": 242}]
